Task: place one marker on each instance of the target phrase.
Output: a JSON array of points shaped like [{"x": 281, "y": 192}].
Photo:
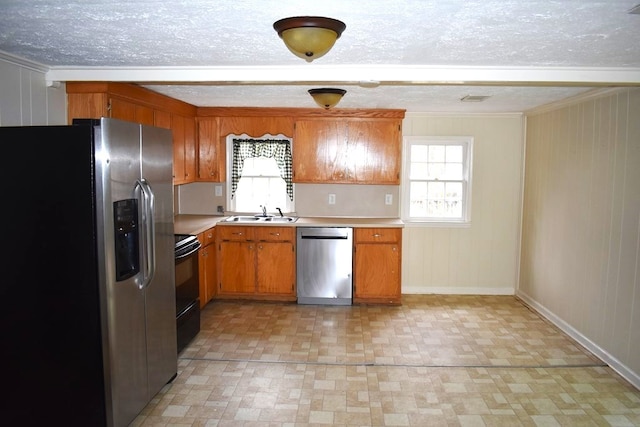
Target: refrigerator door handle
[{"x": 148, "y": 206}]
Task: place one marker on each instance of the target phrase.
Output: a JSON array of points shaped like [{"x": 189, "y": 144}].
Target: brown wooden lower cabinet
[
  {"x": 377, "y": 262},
  {"x": 207, "y": 266},
  {"x": 256, "y": 262}
]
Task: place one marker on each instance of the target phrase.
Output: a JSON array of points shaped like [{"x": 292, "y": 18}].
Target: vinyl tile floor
[{"x": 436, "y": 360}]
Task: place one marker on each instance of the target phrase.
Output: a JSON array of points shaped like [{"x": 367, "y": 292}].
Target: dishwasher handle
[{"x": 324, "y": 233}]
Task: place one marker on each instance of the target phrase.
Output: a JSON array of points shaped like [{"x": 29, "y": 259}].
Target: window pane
[
  {"x": 436, "y": 153},
  {"x": 435, "y": 190},
  {"x": 419, "y": 153},
  {"x": 436, "y": 170},
  {"x": 417, "y": 204},
  {"x": 454, "y": 153},
  {"x": 453, "y": 171},
  {"x": 419, "y": 170}
]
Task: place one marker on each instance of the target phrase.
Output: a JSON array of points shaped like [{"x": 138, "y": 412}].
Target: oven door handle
[{"x": 196, "y": 248}]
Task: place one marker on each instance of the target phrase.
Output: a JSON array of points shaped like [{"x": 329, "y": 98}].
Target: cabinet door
[
  {"x": 202, "y": 275},
  {"x": 359, "y": 151},
  {"x": 374, "y": 151},
  {"x": 211, "y": 152},
  {"x": 87, "y": 106},
  {"x": 236, "y": 267},
  {"x": 189, "y": 139},
  {"x": 207, "y": 266},
  {"x": 320, "y": 151},
  {"x": 377, "y": 273},
  {"x": 275, "y": 268},
  {"x": 209, "y": 273},
  {"x": 177, "y": 129}
]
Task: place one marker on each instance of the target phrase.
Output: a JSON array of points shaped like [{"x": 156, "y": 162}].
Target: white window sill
[{"x": 436, "y": 224}]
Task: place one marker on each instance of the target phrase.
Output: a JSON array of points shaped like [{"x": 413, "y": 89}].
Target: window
[
  {"x": 259, "y": 174},
  {"x": 437, "y": 179}
]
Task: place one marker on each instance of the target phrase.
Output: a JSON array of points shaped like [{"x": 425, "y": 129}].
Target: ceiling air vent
[{"x": 474, "y": 98}]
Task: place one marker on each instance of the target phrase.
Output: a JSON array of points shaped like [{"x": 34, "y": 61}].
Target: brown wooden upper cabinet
[
  {"x": 347, "y": 150},
  {"x": 184, "y": 144}
]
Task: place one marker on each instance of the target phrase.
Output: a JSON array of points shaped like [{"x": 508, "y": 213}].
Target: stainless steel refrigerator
[{"x": 87, "y": 289}]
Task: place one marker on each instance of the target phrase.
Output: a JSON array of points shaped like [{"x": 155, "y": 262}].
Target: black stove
[
  {"x": 185, "y": 244},
  {"x": 187, "y": 288}
]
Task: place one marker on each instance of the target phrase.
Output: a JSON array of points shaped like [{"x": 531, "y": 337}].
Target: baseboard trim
[
  {"x": 416, "y": 290},
  {"x": 610, "y": 360}
]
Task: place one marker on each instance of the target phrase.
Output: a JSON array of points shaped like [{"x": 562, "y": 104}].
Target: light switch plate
[
  {"x": 218, "y": 190},
  {"x": 388, "y": 199},
  {"x": 332, "y": 199}
]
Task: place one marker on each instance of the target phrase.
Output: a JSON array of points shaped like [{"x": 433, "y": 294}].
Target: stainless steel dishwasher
[{"x": 324, "y": 265}]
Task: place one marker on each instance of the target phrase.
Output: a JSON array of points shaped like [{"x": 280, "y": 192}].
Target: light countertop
[{"x": 194, "y": 224}]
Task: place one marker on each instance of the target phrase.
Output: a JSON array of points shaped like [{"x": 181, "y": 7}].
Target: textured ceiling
[{"x": 425, "y": 54}]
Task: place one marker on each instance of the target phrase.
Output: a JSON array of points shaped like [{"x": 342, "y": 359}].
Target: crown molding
[{"x": 17, "y": 60}]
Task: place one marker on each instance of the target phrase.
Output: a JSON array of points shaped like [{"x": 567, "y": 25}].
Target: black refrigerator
[{"x": 88, "y": 322}]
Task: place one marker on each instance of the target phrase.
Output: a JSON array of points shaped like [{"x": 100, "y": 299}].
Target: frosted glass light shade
[
  {"x": 309, "y": 37},
  {"x": 327, "y": 97}
]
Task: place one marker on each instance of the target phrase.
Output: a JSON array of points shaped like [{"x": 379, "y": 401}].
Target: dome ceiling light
[
  {"x": 327, "y": 97},
  {"x": 309, "y": 37}
]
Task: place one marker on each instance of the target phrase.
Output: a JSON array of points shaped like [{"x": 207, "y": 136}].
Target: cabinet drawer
[
  {"x": 383, "y": 235},
  {"x": 274, "y": 234},
  {"x": 234, "y": 233},
  {"x": 208, "y": 236}
]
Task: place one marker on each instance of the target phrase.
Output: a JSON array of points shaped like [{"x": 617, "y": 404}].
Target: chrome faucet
[{"x": 264, "y": 210}]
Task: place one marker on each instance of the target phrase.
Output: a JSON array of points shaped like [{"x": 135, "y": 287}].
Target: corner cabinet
[
  {"x": 136, "y": 104},
  {"x": 377, "y": 263},
  {"x": 256, "y": 262},
  {"x": 347, "y": 150}
]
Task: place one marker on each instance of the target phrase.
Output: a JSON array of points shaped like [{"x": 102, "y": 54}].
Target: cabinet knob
[
  {"x": 275, "y": 234},
  {"x": 377, "y": 235},
  {"x": 239, "y": 233}
]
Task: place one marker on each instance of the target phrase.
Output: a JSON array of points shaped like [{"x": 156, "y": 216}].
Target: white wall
[
  {"x": 580, "y": 261},
  {"x": 482, "y": 258},
  {"x": 24, "y": 97}
]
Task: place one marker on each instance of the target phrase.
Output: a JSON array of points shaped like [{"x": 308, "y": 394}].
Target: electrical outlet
[
  {"x": 332, "y": 199},
  {"x": 220, "y": 209},
  {"x": 388, "y": 199},
  {"x": 218, "y": 190}
]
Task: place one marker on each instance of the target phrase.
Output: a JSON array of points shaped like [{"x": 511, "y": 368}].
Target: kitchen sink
[
  {"x": 260, "y": 218},
  {"x": 242, "y": 218},
  {"x": 280, "y": 219}
]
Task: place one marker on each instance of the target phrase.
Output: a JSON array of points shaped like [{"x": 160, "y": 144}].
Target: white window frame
[
  {"x": 467, "y": 143},
  {"x": 289, "y": 208}
]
